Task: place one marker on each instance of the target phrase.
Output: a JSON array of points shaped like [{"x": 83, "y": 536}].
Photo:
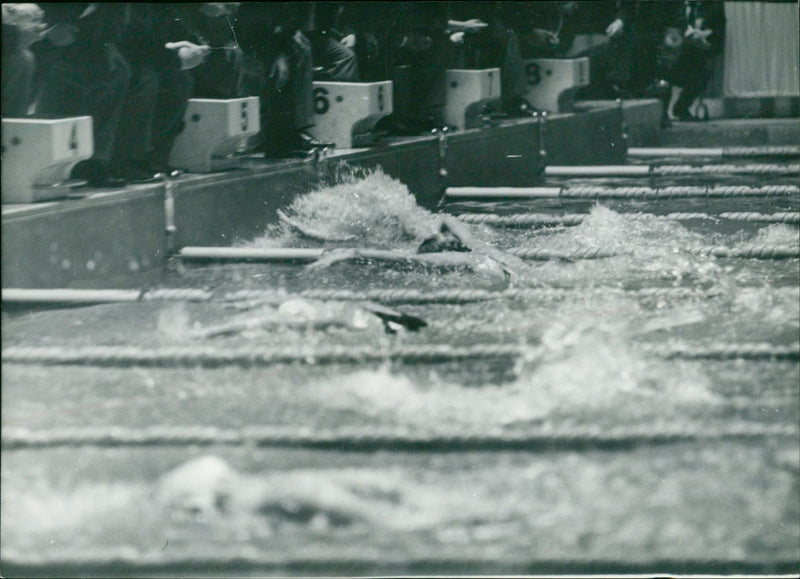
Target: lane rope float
[
  {"x": 531, "y": 439},
  {"x": 389, "y": 295},
  {"x": 251, "y": 356},
  {"x": 268, "y": 255},
  {"x": 769, "y": 151},
  {"x": 542, "y": 220},
  {"x": 755, "y": 169},
  {"x": 604, "y": 192},
  {"x": 743, "y": 252}
]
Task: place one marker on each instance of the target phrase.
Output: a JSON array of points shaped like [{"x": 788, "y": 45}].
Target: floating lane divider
[
  {"x": 273, "y": 255},
  {"x": 669, "y": 170},
  {"x": 198, "y": 355},
  {"x": 743, "y": 252},
  {"x": 596, "y": 192},
  {"x": 538, "y": 438},
  {"x": 387, "y": 296},
  {"x": 99, "y": 296},
  {"x": 543, "y": 220},
  {"x": 776, "y": 151},
  {"x": 278, "y": 254}
]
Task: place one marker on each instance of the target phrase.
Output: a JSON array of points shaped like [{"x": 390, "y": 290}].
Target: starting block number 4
[
  {"x": 215, "y": 131},
  {"x": 553, "y": 81},
  {"x": 39, "y": 154},
  {"x": 346, "y": 112}
]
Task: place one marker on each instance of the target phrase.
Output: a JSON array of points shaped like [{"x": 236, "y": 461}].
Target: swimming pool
[{"x": 597, "y": 446}]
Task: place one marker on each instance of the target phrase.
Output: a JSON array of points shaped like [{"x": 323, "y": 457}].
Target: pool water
[{"x": 586, "y": 366}]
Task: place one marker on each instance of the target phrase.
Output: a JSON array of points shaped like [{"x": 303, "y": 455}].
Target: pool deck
[{"x": 117, "y": 238}]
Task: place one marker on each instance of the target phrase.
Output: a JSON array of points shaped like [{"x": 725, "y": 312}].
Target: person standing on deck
[{"x": 702, "y": 25}]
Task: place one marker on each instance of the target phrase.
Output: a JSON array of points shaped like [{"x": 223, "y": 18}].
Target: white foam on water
[
  {"x": 368, "y": 206},
  {"x": 777, "y": 234},
  {"x": 643, "y": 245}
]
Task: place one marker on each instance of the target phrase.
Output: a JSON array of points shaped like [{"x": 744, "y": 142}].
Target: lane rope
[
  {"x": 538, "y": 219},
  {"x": 743, "y": 252},
  {"x": 531, "y": 439},
  {"x": 605, "y": 192},
  {"x": 199, "y": 355},
  {"x": 753, "y": 169},
  {"x": 389, "y": 295},
  {"x": 766, "y": 151}
]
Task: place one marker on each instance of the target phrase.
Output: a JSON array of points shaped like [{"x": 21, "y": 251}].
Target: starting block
[
  {"x": 552, "y": 82},
  {"x": 39, "y": 154},
  {"x": 215, "y": 133},
  {"x": 468, "y": 94},
  {"x": 346, "y": 112}
]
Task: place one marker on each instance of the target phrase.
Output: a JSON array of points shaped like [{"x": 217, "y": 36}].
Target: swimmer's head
[{"x": 443, "y": 240}]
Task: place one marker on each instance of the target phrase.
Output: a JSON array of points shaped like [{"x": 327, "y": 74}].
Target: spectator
[
  {"x": 546, "y": 29},
  {"x": 494, "y": 45},
  {"x": 213, "y": 24},
  {"x": 365, "y": 28},
  {"x": 87, "y": 75},
  {"x": 418, "y": 52},
  {"x": 333, "y": 60},
  {"x": 703, "y": 33},
  {"x": 22, "y": 26},
  {"x": 160, "y": 57},
  {"x": 278, "y": 68}
]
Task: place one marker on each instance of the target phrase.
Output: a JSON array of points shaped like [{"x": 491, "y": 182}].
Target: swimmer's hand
[
  {"x": 615, "y": 28},
  {"x": 332, "y": 256},
  {"x": 192, "y": 55}
]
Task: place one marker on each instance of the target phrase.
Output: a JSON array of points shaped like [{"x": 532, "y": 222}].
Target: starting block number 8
[{"x": 532, "y": 72}]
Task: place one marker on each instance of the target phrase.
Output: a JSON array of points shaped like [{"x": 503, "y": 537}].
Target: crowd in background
[{"x": 134, "y": 66}]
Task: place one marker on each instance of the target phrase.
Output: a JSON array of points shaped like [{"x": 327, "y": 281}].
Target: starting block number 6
[
  {"x": 532, "y": 72},
  {"x": 321, "y": 102}
]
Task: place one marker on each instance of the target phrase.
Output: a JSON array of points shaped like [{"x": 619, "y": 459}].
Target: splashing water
[
  {"x": 645, "y": 244},
  {"x": 368, "y": 206},
  {"x": 778, "y": 234}
]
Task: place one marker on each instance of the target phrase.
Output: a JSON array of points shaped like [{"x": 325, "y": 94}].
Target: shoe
[
  {"x": 97, "y": 174},
  {"x": 308, "y": 143},
  {"x": 165, "y": 170},
  {"x": 520, "y": 109},
  {"x": 137, "y": 172},
  {"x": 686, "y": 117}
]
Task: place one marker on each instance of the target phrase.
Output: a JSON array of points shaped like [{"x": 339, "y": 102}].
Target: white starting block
[
  {"x": 216, "y": 132},
  {"x": 39, "y": 154},
  {"x": 468, "y": 93},
  {"x": 346, "y": 112},
  {"x": 552, "y": 82}
]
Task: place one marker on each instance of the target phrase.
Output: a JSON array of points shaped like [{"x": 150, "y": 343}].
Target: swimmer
[
  {"x": 451, "y": 246},
  {"x": 207, "y": 487},
  {"x": 316, "y": 314}
]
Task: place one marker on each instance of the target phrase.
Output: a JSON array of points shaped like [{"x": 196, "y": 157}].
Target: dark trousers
[
  {"x": 285, "y": 110},
  {"x": 691, "y": 74},
  {"x": 18, "y": 73},
  {"x": 90, "y": 80},
  {"x": 332, "y": 60},
  {"x": 422, "y": 74},
  {"x": 152, "y": 115},
  {"x": 498, "y": 47}
]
